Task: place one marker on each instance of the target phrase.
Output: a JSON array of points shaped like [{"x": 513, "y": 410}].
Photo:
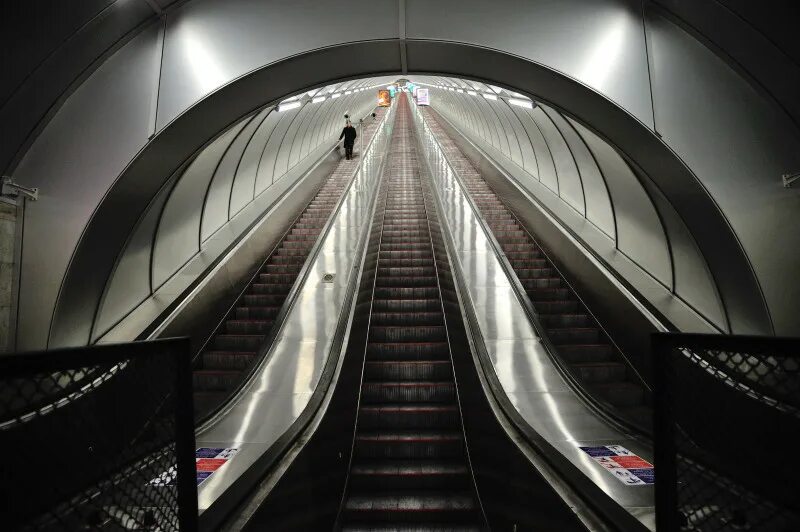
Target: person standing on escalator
[{"x": 349, "y": 136}]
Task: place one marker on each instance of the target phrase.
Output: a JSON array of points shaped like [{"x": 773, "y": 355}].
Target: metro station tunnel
[{"x": 400, "y": 265}]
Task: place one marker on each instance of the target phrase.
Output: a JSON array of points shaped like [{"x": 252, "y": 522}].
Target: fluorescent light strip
[
  {"x": 489, "y": 96},
  {"x": 348, "y": 92},
  {"x": 527, "y": 104},
  {"x": 472, "y": 93},
  {"x": 288, "y": 105},
  {"x": 318, "y": 99},
  {"x": 336, "y": 95}
]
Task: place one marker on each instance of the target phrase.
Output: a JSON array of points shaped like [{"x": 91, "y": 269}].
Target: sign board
[
  {"x": 627, "y": 467},
  {"x": 207, "y": 461},
  {"x": 384, "y": 98},
  {"x": 423, "y": 97}
]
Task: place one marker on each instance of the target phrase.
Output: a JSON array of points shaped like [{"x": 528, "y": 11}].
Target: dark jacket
[{"x": 349, "y": 134}]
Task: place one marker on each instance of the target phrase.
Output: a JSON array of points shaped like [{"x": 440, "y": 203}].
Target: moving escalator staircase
[
  {"x": 579, "y": 340},
  {"x": 234, "y": 348},
  {"x": 409, "y": 469}
]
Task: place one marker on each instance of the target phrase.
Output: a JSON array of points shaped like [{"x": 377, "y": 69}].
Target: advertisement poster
[
  {"x": 422, "y": 97},
  {"x": 207, "y": 460},
  {"x": 384, "y": 98},
  {"x": 626, "y": 467}
]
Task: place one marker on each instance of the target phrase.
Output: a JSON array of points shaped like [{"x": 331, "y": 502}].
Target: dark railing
[
  {"x": 98, "y": 438},
  {"x": 727, "y": 426}
]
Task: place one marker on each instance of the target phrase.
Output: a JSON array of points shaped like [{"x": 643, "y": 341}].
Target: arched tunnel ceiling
[{"x": 623, "y": 69}]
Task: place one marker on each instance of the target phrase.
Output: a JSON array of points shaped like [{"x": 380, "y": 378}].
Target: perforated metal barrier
[
  {"x": 98, "y": 438},
  {"x": 727, "y": 420}
]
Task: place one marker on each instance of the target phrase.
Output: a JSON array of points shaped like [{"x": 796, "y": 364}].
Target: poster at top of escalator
[{"x": 423, "y": 97}]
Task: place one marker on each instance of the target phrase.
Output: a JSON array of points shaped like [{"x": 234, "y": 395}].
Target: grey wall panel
[
  {"x": 266, "y": 170},
  {"x": 178, "y": 234},
  {"x": 598, "y": 202},
  {"x": 316, "y": 119},
  {"x": 214, "y": 210},
  {"x": 503, "y": 112},
  {"x": 741, "y": 144},
  {"x": 130, "y": 282},
  {"x": 310, "y": 112},
  {"x": 527, "y": 157},
  {"x": 282, "y": 159},
  {"x": 569, "y": 180},
  {"x": 24, "y": 45},
  {"x": 598, "y": 42},
  {"x": 498, "y": 137},
  {"x": 245, "y": 176},
  {"x": 693, "y": 280},
  {"x": 205, "y": 48},
  {"x": 46, "y": 47},
  {"x": 640, "y": 234},
  {"x": 74, "y": 162}
]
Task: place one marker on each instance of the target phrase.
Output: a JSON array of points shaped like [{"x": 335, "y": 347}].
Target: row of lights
[
  {"x": 294, "y": 102},
  {"x": 519, "y": 102}
]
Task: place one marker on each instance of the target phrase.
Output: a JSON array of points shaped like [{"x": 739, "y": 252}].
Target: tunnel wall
[
  {"x": 215, "y": 199},
  {"x": 585, "y": 184},
  {"x": 141, "y": 97}
]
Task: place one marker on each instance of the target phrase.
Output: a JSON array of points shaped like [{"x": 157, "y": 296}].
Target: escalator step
[
  {"x": 408, "y": 444},
  {"x": 408, "y": 351},
  {"x": 249, "y": 326},
  {"x": 408, "y": 416},
  {"x": 574, "y": 335},
  {"x": 408, "y": 392},
  {"x": 403, "y": 507},
  {"x": 386, "y": 292},
  {"x": 256, "y": 313},
  {"x": 260, "y": 288},
  {"x": 434, "y": 370},
  {"x": 565, "y": 320},
  {"x": 409, "y": 474},
  {"x": 406, "y": 305},
  {"x": 264, "y": 300},
  {"x": 407, "y": 318},
  {"x": 604, "y": 372},
  {"x": 238, "y": 342},
  {"x": 403, "y": 282},
  {"x": 410, "y": 527},
  {"x": 427, "y": 333},
  {"x": 586, "y": 353},
  {"x": 237, "y": 360}
]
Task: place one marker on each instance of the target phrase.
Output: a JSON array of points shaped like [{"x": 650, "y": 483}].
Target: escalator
[
  {"x": 232, "y": 350},
  {"x": 409, "y": 468},
  {"x": 579, "y": 341}
]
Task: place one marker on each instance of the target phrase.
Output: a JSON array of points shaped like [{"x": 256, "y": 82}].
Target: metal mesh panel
[
  {"x": 99, "y": 438},
  {"x": 772, "y": 378},
  {"x": 726, "y": 410}
]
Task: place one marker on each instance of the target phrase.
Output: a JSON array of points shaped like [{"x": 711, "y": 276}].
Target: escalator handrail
[
  {"x": 288, "y": 303},
  {"x": 583, "y": 486},
  {"x": 599, "y": 406}
]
